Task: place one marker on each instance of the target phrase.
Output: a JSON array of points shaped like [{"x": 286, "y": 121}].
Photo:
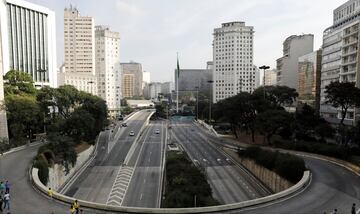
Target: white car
[
  {"x": 132, "y": 133},
  {"x": 157, "y": 131}
]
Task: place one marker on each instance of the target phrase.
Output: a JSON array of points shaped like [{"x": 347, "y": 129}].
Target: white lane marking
[
  {"x": 144, "y": 180},
  {"x": 141, "y": 196}
]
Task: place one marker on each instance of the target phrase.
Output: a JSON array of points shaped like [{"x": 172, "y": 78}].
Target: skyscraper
[
  {"x": 3, "y": 119},
  {"x": 28, "y": 40},
  {"x": 340, "y": 57},
  {"x": 233, "y": 68},
  {"x": 287, "y": 66},
  {"x": 107, "y": 46},
  {"x": 79, "y": 51},
  {"x": 132, "y": 79}
]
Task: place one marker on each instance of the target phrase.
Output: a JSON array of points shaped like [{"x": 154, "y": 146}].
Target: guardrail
[{"x": 302, "y": 184}]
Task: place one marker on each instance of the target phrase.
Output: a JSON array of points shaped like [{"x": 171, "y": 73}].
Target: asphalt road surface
[
  {"x": 146, "y": 183},
  {"x": 95, "y": 183},
  {"x": 230, "y": 184}
]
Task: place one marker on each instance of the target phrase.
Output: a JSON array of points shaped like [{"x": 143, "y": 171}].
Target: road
[
  {"x": 145, "y": 186},
  {"x": 230, "y": 183},
  {"x": 96, "y": 182}
]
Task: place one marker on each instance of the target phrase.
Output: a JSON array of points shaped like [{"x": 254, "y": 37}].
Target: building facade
[
  {"x": 233, "y": 68},
  {"x": 132, "y": 79},
  {"x": 107, "y": 46},
  {"x": 340, "y": 57},
  {"x": 4, "y": 134},
  {"x": 81, "y": 81},
  {"x": 29, "y": 40},
  {"x": 270, "y": 77},
  {"x": 287, "y": 66},
  {"x": 309, "y": 79}
]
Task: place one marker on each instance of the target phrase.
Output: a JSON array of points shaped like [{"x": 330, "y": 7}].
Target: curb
[
  {"x": 303, "y": 183},
  {"x": 16, "y": 149}
]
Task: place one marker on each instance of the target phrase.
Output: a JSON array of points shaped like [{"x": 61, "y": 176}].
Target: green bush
[
  {"x": 41, "y": 164},
  {"x": 183, "y": 182}
]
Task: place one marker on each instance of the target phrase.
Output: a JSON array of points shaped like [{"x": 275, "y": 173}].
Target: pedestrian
[
  {"x": 334, "y": 212},
  {"x": 72, "y": 209},
  {"x": 2, "y": 187},
  {"x": 7, "y": 200},
  {"x": 77, "y": 206},
  {"x": 50, "y": 192},
  {"x": 1, "y": 203},
  {"x": 353, "y": 209},
  {"x": 7, "y": 186}
]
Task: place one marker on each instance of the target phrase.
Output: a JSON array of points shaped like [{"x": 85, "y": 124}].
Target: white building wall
[
  {"x": 28, "y": 58},
  {"x": 233, "y": 68}
]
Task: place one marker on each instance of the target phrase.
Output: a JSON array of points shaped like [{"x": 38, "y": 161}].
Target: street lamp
[
  {"x": 197, "y": 102},
  {"x": 264, "y": 67},
  {"x": 210, "y": 100}
]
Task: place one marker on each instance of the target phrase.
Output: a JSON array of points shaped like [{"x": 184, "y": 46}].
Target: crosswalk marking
[{"x": 120, "y": 185}]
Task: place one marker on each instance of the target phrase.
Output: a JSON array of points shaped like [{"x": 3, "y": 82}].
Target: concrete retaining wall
[
  {"x": 297, "y": 187},
  {"x": 57, "y": 173}
]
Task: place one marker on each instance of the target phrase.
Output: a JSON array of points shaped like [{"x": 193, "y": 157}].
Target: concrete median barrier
[{"x": 241, "y": 205}]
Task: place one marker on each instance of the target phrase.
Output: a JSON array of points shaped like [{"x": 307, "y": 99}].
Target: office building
[
  {"x": 340, "y": 57},
  {"x": 107, "y": 46},
  {"x": 233, "y": 68},
  {"x": 28, "y": 40},
  {"x": 270, "y": 77},
  {"x": 309, "y": 79},
  {"x": 3, "y": 120},
  {"x": 287, "y": 66},
  {"x": 132, "y": 79}
]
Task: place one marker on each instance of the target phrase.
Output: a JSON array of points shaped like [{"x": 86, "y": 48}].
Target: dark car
[{"x": 124, "y": 125}]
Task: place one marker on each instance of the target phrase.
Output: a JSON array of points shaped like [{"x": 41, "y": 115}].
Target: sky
[{"x": 153, "y": 31}]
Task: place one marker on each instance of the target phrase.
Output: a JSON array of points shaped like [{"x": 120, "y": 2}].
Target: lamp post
[
  {"x": 197, "y": 102},
  {"x": 42, "y": 86},
  {"x": 91, "y": 83},
  {"x": 264, "y": 68},
  {"x": 210, "y": 100}
]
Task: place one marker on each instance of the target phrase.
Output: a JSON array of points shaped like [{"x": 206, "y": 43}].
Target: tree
[
  {"x": 342, "y": 95},
  {"x": 277, "y": 96},
  {"x": 66, "y": 98},
  {"x": 80, "y": 125},
  {"x": 269, "y": 122},
  {"x": 18, "y": 82},
  {"x": 23, "y": 115}
]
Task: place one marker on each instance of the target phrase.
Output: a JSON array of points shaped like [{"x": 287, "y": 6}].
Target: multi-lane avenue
[{"x": 230, "y": 183}]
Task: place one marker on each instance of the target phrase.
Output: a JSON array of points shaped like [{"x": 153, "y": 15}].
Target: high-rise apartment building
[
  {"x": 287, "y": 66},
  {"x": 340, "y": 57},
  {"x": 79, "y": 52},
  {"x": 132, "y": 79},
  {"x": 270, "y": 77},
  {"x": 107, "y": 46},
  {"x": 79, "y": 42},
  {"x": 28, "y": 40},
  {"x": 233, "y": 68},
  {"x": 309, "y": 79}
]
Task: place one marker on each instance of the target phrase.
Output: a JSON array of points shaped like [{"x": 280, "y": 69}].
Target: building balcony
[
  {"x": 347, "y": 44},
  {"x": 350, "y": 33},
  {"x": 349, "y": 53},
  {"x": 348, "y": 62}
]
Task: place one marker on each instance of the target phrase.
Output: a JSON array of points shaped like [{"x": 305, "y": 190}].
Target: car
[
  {"x": 124, "y": 125},
  {"x": 157, "y": 131},
  {"x": 132, "y": 133}
]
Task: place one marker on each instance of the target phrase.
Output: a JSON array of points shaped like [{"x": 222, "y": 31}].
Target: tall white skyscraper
[
  {"x": 79, "y": 51},
  {"x": 107, "y": 46},
  {"x": 29, "y": 40},
  {"x": 233, "y": 68}
]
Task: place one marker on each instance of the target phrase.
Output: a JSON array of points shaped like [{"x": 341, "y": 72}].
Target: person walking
[
  {"x": 72, "y": 209},
  {"x": 353, "y": 209},
  {"x": 1, "y": 203},
  {"x": 77, "y": 206},
  {"x": 50, "y": 192},
  {"x": 2, "y": 188},
  {"x": 7, "y": 186},
  {"x": 7, "y": 200}
]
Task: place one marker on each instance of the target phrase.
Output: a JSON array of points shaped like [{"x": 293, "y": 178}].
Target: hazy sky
[{"x": 152, "y": 31}]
